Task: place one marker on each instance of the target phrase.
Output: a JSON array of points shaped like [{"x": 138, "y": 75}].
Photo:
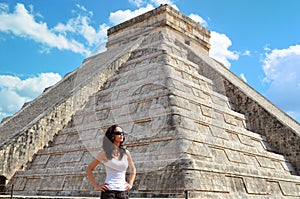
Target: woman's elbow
[
  {"x": 88, "y": 170},
  {"x": 133, "y": 170}
]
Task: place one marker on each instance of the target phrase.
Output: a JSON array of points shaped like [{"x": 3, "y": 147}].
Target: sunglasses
[{"x": 119, "y": 133}]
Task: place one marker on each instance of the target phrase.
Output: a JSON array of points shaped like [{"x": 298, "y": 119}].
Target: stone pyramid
[{"x": 192, "y": 124}]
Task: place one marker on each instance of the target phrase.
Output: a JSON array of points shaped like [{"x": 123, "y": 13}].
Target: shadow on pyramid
[{"x": 191, "y": 124}]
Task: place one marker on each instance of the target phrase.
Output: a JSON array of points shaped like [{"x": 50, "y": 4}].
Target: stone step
[
  {"x": 45, "y": 197},
  {"x": 243, "y": 170},
  {"x": 233, "y": 148}
]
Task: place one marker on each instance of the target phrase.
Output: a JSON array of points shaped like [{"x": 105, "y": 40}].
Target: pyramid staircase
[{"x": 192, "y": 125}]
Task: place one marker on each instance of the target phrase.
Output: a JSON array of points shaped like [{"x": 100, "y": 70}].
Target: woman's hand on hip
[
  {"x": 102, "y": 187},
  {"x": 128, "y": 186}
]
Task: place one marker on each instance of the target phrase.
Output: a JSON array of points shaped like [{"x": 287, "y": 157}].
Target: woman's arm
[
  {"x": 132, "y": 171},
  {"x": 89, "y": 172}
]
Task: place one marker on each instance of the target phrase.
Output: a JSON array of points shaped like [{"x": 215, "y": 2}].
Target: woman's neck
[{"x": 116, "y": 145}]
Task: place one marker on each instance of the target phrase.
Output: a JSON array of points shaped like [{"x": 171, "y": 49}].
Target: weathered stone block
[
  {"x": 289, "y": 188},
  {"x": 235, "y": 156},
  {"x": 52, "y": 183},
  {"x": 256, "y": 186}
]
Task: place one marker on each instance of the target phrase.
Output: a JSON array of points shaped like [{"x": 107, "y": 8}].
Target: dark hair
[{"x": 108, "y": 142}]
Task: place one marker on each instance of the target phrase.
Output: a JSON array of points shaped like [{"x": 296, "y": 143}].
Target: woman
[{"x": 116, "y": 159}]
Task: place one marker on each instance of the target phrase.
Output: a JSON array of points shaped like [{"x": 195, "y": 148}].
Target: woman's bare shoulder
[
  {"x": 102, "y": 157},
  {"x": 127, "y": 152}
]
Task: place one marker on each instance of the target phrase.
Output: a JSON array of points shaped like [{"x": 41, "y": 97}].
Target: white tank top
[{"x": 115, "y": 173}]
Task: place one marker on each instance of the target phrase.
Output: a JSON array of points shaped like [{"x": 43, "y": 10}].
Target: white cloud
[
  {"x": 14, "y": 92},
  {"x": 22, "y": 23},
  {"x": 247, "y": 53},
  {"x": 123, "y": 15},
  {"x": 219, "y": 49},
  {"x": 243, "y": 77},
  {"x": 198, "y": 19},
  {"x": 64, "y": 28},
  {"x": 159, "y": 2},
  {"x": 282, "y": 71},
  {"x": 3, "y": 8},
  {"x": 81, "y": 25},
  {"x": 10, "y": 102},
  {"x": 83, "y": 9},
  {"x": 137, "y": 3},
  {"x": 279, "y": 60}
]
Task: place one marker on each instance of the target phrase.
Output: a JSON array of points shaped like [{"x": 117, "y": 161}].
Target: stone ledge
[
  {"x": 163, "y": 16},
  {"x": 44, "y": 197},
  {"x": 66, "y": 197},
  {"x": 240, "y": 171}
]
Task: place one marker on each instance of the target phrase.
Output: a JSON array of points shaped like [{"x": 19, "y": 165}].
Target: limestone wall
[
  {"x": 33, "y": 127},
  {"x": 187, "y": 30},
  {"x": 263, "y": 117},
  {"x": 282, "y": 139}
]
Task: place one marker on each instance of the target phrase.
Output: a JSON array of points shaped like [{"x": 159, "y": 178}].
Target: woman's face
[{"x": 119, "y": 135}]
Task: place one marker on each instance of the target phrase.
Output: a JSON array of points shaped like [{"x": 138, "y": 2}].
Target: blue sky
[{"x": 42, "y": 40}]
